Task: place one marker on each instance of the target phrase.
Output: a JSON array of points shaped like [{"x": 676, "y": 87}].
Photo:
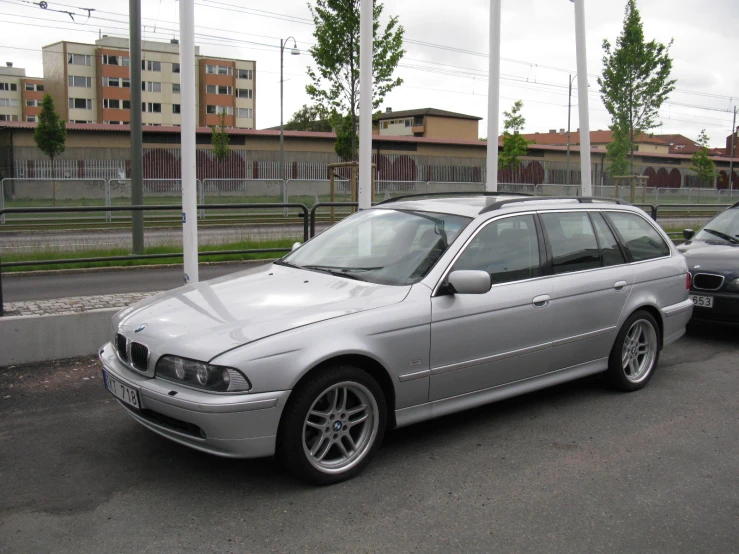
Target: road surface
[{"x": 572, "y": 469}]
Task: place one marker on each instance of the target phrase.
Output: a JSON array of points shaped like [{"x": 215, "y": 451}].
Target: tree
[
  {"x": 701, "y": 163},
  {"x": 635, "y": 82},
  {"x": 219, "y": 139},
  {"x": 310, "y": 118},
  {"x": 346, "y": 137},
  {"x": 514, "y": 144},
  {"x": 50, "y": 134},
  {"x": 617, "y": 152},
  {"x": 335, "y": 80}
]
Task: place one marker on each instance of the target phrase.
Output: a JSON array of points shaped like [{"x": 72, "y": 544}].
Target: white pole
[
  {"x": 582, "y": 98},
  {"x": 187, "y": 147},
  {"x": 491, "y": 184},
  {"x": 365, "y": 104}
]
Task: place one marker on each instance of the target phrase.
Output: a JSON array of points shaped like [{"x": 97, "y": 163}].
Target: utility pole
[
  {"x": 491, "y": 182},
  {"x": 569, "y": 111},
  {"x": 582, "y": 97},
  {"x": 731, "y": 154},
  {"x": 366, "y": 37},
  {"x": 281, "y": 173},
  {"x": 137, "y": 151},
  {"x": 187, "y": 142}
]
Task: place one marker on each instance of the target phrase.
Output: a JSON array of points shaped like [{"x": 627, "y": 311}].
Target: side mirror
[
  {"x": 468, "y": 281},
  {"x": 688, "y": 234},
  {"x": 295, "y": 246}
]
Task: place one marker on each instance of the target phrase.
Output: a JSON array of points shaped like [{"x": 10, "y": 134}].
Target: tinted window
[
  {"x": 572, "y": 241},
  {"x": 609, "y": 249},
  {"x": 641, "y": 239},
  {"x": 507, "y": 249}
]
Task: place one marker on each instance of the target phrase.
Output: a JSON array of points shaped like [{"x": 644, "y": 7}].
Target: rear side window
[
  {"x": 508, "y": 249},
  {"x": 572, "y": 241},
  {"x": 609, "y": 248},
  {"x": 641, "y": 239}
]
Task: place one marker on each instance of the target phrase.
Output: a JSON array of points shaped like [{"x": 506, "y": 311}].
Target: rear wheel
[
  {"x": 635, "y": 353},
  {"x": 333, "y": 425}
]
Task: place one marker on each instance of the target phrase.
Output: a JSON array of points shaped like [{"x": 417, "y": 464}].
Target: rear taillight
[{"x": 687, "y": 280}]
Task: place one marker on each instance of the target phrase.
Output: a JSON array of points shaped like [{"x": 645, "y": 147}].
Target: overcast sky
[{"x": 537, "y": 40}]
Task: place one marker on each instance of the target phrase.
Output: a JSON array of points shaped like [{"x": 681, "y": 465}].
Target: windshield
[
  {"x": 382, "y": 246},
  {"x": 724, "y": 227}
]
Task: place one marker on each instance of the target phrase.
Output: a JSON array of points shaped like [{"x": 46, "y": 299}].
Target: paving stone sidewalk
[{"x": 74, "y": 304}]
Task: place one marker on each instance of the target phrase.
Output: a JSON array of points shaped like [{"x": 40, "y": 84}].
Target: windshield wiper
[
  {"x": 286, "y": 264},
  {"x": 339, "y": 271},
  {"x": 721, "y": 235}
]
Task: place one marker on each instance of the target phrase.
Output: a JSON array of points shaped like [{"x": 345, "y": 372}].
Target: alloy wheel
[{"x": 639, "y": 351}]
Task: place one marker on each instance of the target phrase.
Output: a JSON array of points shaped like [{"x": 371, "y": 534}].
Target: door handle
[
  {"x": 619, "y": 285},
  {"x": 541, "y": 301}
]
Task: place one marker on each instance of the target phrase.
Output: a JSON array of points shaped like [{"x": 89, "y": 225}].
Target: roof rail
[
  {"x": 460, "y": 193},
  {"x": 580, "y": 199}
]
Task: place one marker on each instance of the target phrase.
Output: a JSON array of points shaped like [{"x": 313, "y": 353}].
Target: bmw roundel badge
[{"x": 140, "y": 328}]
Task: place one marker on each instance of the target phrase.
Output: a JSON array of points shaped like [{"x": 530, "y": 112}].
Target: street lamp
[
  {"x": 569, "y": 110},
  {"x": 294, "y": 52}
]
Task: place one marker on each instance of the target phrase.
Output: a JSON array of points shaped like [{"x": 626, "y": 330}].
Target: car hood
[
  {"x": 711, "y": 257},
  {"x": 204, "y": 320}
]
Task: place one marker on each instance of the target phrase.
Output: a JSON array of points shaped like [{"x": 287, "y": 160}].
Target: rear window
[{"x": 641, "y": 239}]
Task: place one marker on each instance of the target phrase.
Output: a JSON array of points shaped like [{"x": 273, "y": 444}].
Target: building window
[
  {"x": 244, "y": 93},
  {"x": 384, "y": 124},
  {"x": 80, "y": 103},
  {"x": 150, "y": 65},
  {"x": 32, "y": 103},
  {"x": 151, "y": 107},
  {"x": 175, "y": 68},
  {"x": 228, "y": 110},
  {"x": 116, "y": 60},
  {"x": 77, "y": 81},
  {"x": 218, "y": 89},
  {"x": 175, "y": 108},
  {"x": 111, "y": 82},
  {"x": 79, "y": 59},
  {"x": 244, "y": 113},
  {"x": 408, "y": 122},
  {"x": 112, "y": 103},
  {"x": 126, "y": 104},
  {"x": 8, "y": 103},
  {"x": 31, "y": 118},
  {"x": 151, "y": 86},
  {"x": 245, "y": 74},
  {"x": 6, "y": 117},
  {"x": 12, "y": 87},
  {"x": 34, "y": 87},
  {"x": 219, "y": 69},
  {"x": 82, "y": 121},
  {"x": 175, "y": 88}
]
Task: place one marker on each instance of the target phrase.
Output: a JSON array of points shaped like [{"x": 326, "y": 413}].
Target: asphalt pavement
[
  {"x": 47, "y": 286},
  {"x": 576, "y": 468}
]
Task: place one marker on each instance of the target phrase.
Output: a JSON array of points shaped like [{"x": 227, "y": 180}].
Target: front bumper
[
  {"x": 233, "y": 426},
  {"x": 725, "y": 308}
]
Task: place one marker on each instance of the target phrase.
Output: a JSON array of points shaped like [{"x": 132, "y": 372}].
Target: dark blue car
[{"x": 713, "y": 260}]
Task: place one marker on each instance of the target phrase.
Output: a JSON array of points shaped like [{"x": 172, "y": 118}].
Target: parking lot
[{"x": 572, "y": 469}]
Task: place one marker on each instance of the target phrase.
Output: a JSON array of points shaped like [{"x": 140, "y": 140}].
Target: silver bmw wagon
[{"x": 410, "y": 310}]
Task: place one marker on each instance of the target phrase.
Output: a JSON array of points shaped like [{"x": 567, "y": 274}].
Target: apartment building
[
  {"x": 90, "y": 83},
  {"x": 20, "y": 96},
  {"x": 426, "y": 122}
]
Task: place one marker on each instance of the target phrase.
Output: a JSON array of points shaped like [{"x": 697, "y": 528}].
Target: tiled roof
[
  {"x": 424, "y": 111},
  {"x": 596, "y": 137}
]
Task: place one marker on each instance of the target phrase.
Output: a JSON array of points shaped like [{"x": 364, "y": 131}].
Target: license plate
[
  {"x": 122, "y": 392},
  {"x": 702, "y": 301}
]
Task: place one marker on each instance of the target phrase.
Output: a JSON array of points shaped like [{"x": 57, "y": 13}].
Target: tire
[
  {"x": 635, "y": 353},
  {"x": 332, "y": 426}
]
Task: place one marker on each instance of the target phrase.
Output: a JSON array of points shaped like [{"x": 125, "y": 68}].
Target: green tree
[
  {"x": 701, "y": 163},
  {"x": 346, "y": 137},
  {"x": 50, "y": 134},
  {"x": 220, "y": 140},
  {"x": 617, "y": 153},
  {"x": 335, "y": 80},
  {"x": 514, "y": 144},
  {"x": 635, "y": 82},
  {"x": 310, "y": 118}
]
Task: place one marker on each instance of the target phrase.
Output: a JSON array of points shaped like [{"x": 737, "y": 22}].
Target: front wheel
[
  {"x": 332, "y": 426},
  {"x": 635, "y": 353}
]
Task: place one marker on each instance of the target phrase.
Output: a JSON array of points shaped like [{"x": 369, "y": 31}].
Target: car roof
[{"x": 476, "y": 204}]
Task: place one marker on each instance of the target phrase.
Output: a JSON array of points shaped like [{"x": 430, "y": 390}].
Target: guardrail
[{"x": 67, "y": 209}]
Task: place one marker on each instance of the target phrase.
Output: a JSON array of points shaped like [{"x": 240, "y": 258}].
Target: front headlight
[
  {"x": 201, "y": 375},
  {"x": 733, "y": 286}
]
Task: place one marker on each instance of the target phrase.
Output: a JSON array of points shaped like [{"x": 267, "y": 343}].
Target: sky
[{"x": 445, "y": 64}]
